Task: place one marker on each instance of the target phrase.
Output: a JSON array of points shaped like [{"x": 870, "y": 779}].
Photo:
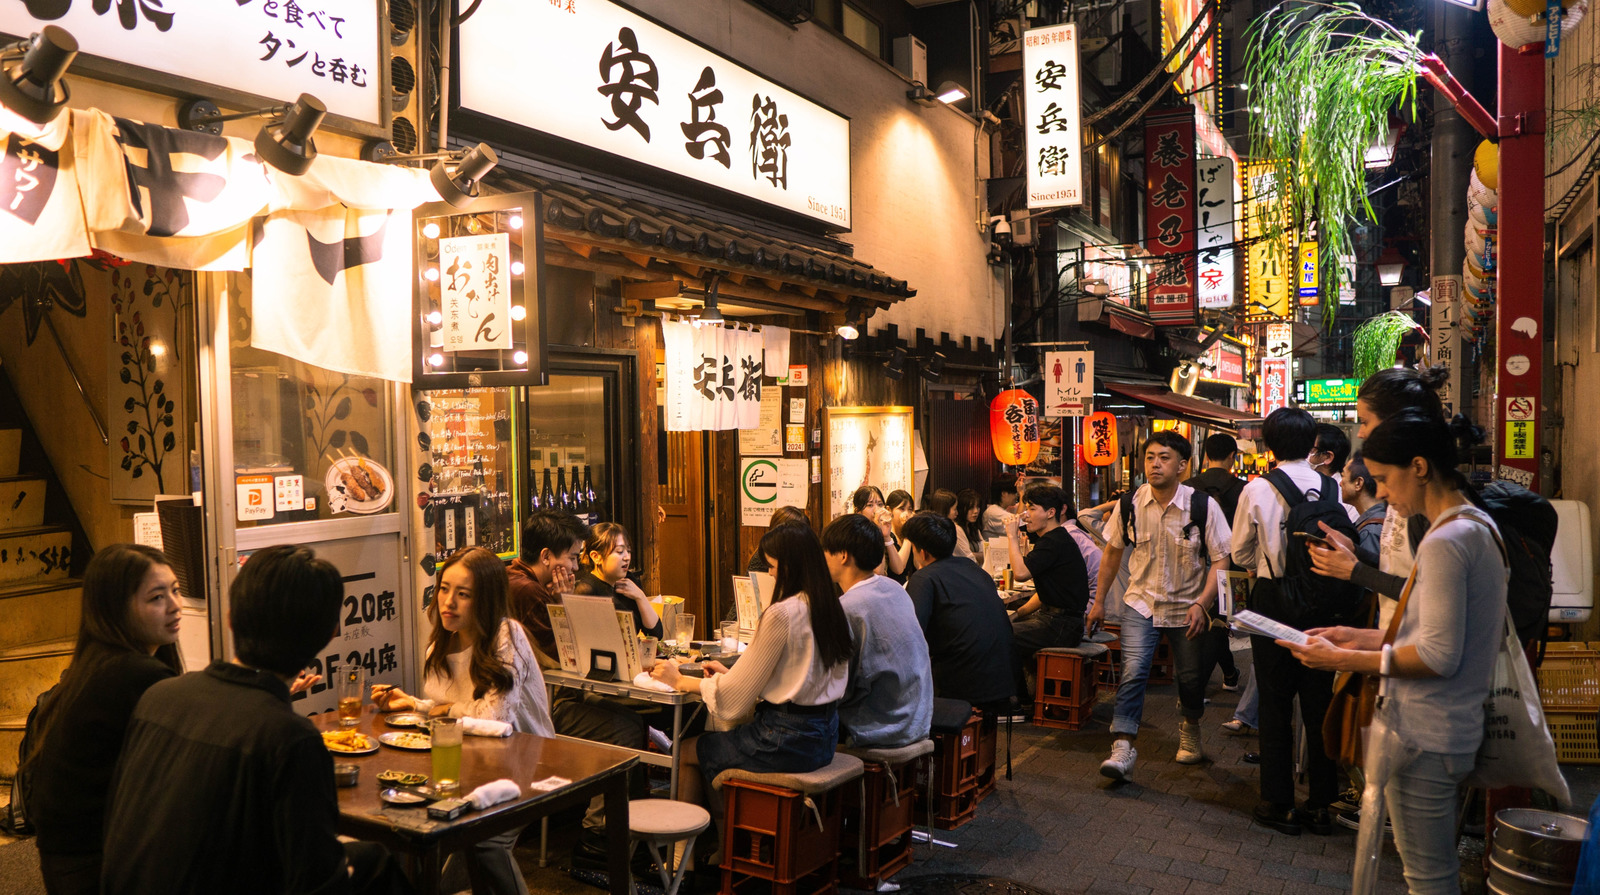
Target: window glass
[
  {"x": 862, "y": 30},
  {"x": 468, "y": 438},
  {"x": 567, "y": 433}
]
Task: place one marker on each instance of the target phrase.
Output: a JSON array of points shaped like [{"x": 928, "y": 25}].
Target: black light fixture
[
  {"x": 933, "y": 368},
  {"x": 709, "y": 313},
  {"x": 949, "y": 92},
  {"x": 895, "y": 366},
  {"x": 854, "y": 319},
  {"x": 33, "y": 88},
  {"x": 455, "y": 175},
  {"x": 284, "y": 143}
]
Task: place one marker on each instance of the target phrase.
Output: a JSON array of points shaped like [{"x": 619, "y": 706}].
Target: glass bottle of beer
[
  {"x": 548, "y": 496},
  {"x": 563, "y": 496},
  {"x": 588, "y": 495}
]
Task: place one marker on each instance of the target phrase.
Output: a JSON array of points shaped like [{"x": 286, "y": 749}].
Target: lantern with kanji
[
  {"x": 1014, "y": 427},
  {"x": 1100, "y": 439}
]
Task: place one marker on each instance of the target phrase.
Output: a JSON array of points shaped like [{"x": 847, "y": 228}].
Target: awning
[
  {"x": 1199, "y": 410},
  {"x": 1117, "y": 317}
]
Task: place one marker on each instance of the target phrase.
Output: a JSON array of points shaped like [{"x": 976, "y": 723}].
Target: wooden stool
[
  {"x": 768, "y": 833},
  {"x": 658, "y": 822},
  {"x": 885, "y": 813},
  {"x": 1067, "y": 685}
]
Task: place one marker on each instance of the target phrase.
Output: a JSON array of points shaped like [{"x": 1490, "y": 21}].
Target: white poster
[
  {"x": 713, "y": 377},
  {"x": 1053, "y": 148},
  {"x": 1214, "y": 201},
  {"x": 766, "y": 438},
  {"x": 1069, "y": 383},
  {"x": 475, "y": 290},
  {"x": 768, "y": 483},
  {"x": 1446, "y": 336},
  {"x": 866, "y": 446}
]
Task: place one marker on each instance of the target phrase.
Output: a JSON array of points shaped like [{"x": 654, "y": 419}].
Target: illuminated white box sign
[
  {"x": 253, "y": 49},
  {"x": 604, "y": 77},
  {"x": 1214, "y": 198},
  {"x": 1054, "y": 126}
]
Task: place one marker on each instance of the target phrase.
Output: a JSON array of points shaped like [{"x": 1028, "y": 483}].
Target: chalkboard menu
[
  {"x": 467, "y": 441},
  {"x": 865, "y": 446}
]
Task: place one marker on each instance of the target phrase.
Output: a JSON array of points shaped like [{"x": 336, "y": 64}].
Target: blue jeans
[
  {"x": 1140, "y": 637},
  {"x": 773, "y": 741},
  {"x": 1422, "y": 804},
  {"x": 1249, "y": 698}
]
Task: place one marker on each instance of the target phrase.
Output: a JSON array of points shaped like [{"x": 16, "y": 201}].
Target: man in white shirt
[
  {"x": 1004, "y": 507},
  {"x": 1179, "y": 541},
  {"x": 1259, "y": 545}
]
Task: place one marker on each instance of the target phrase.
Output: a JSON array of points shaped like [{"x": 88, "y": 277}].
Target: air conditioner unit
[{"x": 911, "y": 58}]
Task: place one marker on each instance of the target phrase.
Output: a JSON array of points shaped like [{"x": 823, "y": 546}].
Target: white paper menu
[{"x": 566, "y": 644}]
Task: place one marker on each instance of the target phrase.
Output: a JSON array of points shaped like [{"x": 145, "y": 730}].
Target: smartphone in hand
[{"x": 1313, "y": 540}]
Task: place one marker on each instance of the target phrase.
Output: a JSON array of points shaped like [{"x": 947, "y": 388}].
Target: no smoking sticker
[{"x": 1519, "y": 409}]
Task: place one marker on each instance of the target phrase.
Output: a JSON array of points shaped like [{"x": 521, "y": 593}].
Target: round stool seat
[
  {"x": 1086, "y": 650},
  {"x": 666, "y": 818}
]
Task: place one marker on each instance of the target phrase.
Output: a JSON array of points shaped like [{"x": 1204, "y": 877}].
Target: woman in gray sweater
[{"x": 1442, "y": 659}]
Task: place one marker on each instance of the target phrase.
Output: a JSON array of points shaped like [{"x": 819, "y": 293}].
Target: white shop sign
[
  {"x": 1214, "y": 200},
  {"x": 263, "y": 49},
  {"x": 475, "y": 291},
  {"x": 1053, "y": 116},
  {"x": 1069, "y": 383},
  {"x": 602, "y": 76}
]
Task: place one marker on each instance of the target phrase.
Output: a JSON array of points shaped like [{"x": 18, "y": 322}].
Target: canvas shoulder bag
[{"x": 1344, "y": 728}]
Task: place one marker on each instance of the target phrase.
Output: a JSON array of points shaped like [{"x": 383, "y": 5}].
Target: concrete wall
[{"x": 915, "y": 193}]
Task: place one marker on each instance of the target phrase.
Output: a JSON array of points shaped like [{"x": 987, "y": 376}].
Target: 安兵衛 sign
[
  {"x": 234, "y": 52},
  {"x": 603, "y": 77},
  {"x": 1053, "y": 144}
]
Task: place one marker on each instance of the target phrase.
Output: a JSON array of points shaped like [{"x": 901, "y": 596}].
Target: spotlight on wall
[
  {"x": 454, "y": 174},
  {"x": 895, "y": 366},
  {"x": 33, "y": 87},
  {"x": 284, "y": 143},
  {"x": 948, "y": 92},
  {"x": 933, "y": 368}
]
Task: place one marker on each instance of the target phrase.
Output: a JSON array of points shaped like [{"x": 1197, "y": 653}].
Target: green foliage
[
  {"x": 1377, "y": 341},
  {"x": 1324, "y": 79}
]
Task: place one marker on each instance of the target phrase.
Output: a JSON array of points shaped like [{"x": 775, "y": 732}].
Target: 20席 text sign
[
  {"x": 602, "y": 76},
  {"x": 260, "y": 48},
  {"x": 1054, "y": 130}
]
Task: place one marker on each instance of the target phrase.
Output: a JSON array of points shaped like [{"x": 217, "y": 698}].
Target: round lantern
[
  {"x": 1014, "y": 427},
  {"x": 1486, "y": 164},
  {"x": 1479, "y": 192},
  {"x": 1100, "y": 439}
]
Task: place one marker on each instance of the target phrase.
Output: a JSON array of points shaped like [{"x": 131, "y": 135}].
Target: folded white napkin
[
  {"x": 643, "y": 679},
  {"x": 493, "y": 793},
  {"x": 485, "y": 727}
]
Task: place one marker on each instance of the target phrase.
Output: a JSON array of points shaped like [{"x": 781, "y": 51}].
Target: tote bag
[{"x": 1517, "y": 749}]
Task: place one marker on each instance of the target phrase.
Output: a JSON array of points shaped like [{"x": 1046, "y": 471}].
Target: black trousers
[
  {"x": 373, "y": 871},
  {"x": 1281, "y": 678},
  {"x": 1217, "y": 653}
]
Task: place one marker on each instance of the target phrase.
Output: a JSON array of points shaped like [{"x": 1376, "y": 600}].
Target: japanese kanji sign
[
  {"x": 475, "y": 291},
  {"x": 1266, "y": 274},
  {"x": 1214, "y": 202},
  {"x": 600, "y": 76},
  {"x": 1068, "y": 383},
  {"x": 1169, "y": 164},
  {"x": 1275, "y": 384},
  {"x": 1100, "y": 439},
  {"x": 1445, "y": 339},
  {"x": 1305, "y": 274},
  {"x": 1053, "y": 129},
  {"x": 270, "y": 50},
  {"x": 713, "y": 377}
]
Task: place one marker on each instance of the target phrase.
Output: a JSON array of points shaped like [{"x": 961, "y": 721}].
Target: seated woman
[
  {"x": 127, "y": 641},
  {"x": 897, "y": 558},
  {"x": 606, "y": 557},
  {"x": 780, "y": 516},
  {"x": 479, "y": 664},
  {"x": 777, "y": 709}
]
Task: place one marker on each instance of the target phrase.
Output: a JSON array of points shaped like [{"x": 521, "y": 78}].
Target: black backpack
[
  {"x": 1296, "y": 595},
  {"x": 1527, "y": 524},
  {"x": 16, "y": 817},
  {"x": 1198, "y": 503}
]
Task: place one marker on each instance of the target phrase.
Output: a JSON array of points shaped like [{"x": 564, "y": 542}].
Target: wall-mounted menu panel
[
  {"x": 468, "y": 441},
  {"x": 865, "y": 446}
]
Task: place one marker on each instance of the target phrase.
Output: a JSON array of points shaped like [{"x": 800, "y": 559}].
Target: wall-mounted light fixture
[
  {"x": 709, "y": 312},
  {"x": 895, "y": 366},
  {"x": 284, "y": 143},
  {"x": 933, "y": 367},
  {"x": 33, "y": 87},
  {"x": 455, "y": 175},
  {"x": 949, "y": 92}
]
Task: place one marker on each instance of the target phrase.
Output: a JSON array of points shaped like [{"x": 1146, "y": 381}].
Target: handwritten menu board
[
  {"x": 865, "y": 446},
  {"x": 467, "y": 440}
]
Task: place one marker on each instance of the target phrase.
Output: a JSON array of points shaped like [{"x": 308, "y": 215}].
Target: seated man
[
  {"x": 1054, "y": 615},
  {"x": 962, "y": 617},
  {"x": 889, "y": 701},
  {"x": 222, "y": 787}
]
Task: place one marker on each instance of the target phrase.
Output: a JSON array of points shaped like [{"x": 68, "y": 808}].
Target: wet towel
[
  {"x": 484, "y": 727},
  {"x": 493, "y": 793}
]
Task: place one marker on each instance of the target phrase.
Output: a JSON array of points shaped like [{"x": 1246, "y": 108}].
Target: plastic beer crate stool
[
  {"x": 949, "y": 797},
  {"x": 784, "y": 828},
  {"x": 878, "y": 821},
  {"x": 1067, "y": 685}
]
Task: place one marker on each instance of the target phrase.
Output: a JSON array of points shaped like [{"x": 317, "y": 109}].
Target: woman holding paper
[
  {"x": 607, "y": 555},
  {"x": 480, "y": 666},
  {"x": 1440, "y": 649},
  {"x": 777, "y": 709}
]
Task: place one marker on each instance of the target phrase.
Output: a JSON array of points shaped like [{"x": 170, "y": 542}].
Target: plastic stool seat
[
  {"x": 1084, "y": 650},
  {"x": 842, "y": 769},
  {"x": 890, "y": 755}
]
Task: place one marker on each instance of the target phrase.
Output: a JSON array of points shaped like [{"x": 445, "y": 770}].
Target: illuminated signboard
[
  {"x": 1312, "y": 392},
  {"x": 1054, "y": 135}
]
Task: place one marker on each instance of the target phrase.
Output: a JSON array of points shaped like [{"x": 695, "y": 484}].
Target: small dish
[
  {"x": 400, "y": 797},
  {"x": 346, "y": 774},
  {"x": 416, "y": 742},
  {"x": 402, "y": 778},
  {"x": 406, "y": 719}
]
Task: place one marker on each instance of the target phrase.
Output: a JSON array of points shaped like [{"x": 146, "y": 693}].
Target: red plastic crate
[
  {"x": 1065, "y": 692},
  {"x": 951, "y": 796},
  {"x": 889, "y": 813},
  {"x": 771, "y": 835}
]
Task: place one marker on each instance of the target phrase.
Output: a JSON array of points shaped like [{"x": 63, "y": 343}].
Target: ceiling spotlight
[
  {"x": 895, "y": 366},
  {"x": 284, "y": 143},
  {"x": 32, "y": 88},
  {"x": 848, "y": 332},
  {"x": 933, "y": 370},
  {"x": 460, "y": 186}
]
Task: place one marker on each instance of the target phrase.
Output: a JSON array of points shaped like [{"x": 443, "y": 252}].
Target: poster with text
[
  {"x": 475, "y": 291},
  {"x": 865, "y": 446}
]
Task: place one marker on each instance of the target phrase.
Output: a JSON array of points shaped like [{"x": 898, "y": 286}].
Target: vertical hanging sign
[
  {"x": 1214, "y": 199},
  {"x": 1169, "y": 163},
  {"x": 475, "y": 292},
  {"x": 1266, "y": 281},
  {"x": 1053, "y": 145},
  {"x": 1305, "y": 274},
  {"x": 1276, "y": 376},
  {"x": 1445, "y": 339}
]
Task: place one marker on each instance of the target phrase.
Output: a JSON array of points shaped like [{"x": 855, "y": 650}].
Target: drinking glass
[
  {"x": 350, "y": 686},
  {"x": 729, "y": 637},
  {"x": 446, "y": 734},
  {"x": 647, "y": 653},
  {"x": 683, "y": 630}
]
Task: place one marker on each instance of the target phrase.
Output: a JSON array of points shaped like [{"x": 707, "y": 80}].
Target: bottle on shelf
[
  {"x": 563, "y": 496},
  {"x": 588, "y": 496},
  {"x": 578, "y": 508},
  {"x": 547, "y": 497}
]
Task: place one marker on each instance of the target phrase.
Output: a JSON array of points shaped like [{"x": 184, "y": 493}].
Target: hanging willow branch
[
  {"x": 1378, "y": 341},
  {"x": 1323, "y": 80}
]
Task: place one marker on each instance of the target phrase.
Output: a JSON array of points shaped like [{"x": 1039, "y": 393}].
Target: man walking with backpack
[
  {"x": 1179, "y": 541},
  {"x": 1276, "y": 513}
]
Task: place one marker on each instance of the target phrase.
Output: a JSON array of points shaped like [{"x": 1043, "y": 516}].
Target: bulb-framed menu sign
[
  {"x": 865, "y": 446},
  {"x": 478, "y": 309},
  {"x": 242, "y": 54},
  {"x": 573, "y": 78}
]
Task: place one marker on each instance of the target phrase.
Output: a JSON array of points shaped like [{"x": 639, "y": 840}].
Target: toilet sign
[{"x": 1069, "y": 383}]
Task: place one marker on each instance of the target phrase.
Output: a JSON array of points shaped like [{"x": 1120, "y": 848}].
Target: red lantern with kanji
[
  {"x": 1100, "y": 439},
  {"x": 1014, "y": 427}
]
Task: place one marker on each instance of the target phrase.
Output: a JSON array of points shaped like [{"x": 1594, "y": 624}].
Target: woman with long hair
[
  {"x": 127, "y": 641},
  {"x": 606, "y": 557},
  {"x": 1447, "y": 636},
  {"x": 897, "y": 508},
  {"x": 969, "y": 510},
  {"x": 776, "y": 710},
  {"x": 479, "y": 664}
]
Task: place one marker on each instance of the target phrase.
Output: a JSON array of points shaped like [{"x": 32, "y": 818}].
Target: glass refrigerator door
[{"x": 577, "y": 427}]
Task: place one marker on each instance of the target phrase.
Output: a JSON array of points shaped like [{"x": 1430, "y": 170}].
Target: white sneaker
[
  {"x": 1189, "y": 751},
  {"x": 1120, "y": 764}
]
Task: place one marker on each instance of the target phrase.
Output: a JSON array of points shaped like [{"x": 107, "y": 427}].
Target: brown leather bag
[{"x": 1355, "y": 696}]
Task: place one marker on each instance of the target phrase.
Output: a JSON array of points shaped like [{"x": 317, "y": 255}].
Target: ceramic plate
[
  {"x": 417, "y": 742},
  {"x": 400, "y": 797},
  {"x": 360, "y": 484},
  {"x": 348, "y": 742},
  {"x": 405, "y": 719}
]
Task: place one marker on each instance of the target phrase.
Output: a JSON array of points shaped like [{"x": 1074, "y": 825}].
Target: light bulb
[
  {"x": 430, "y": 230},
  {"x": 848, "y": 332},
  {"x": 158, "y": 349},
  {"x": 520, "y": 358},
  {"x": 435, "y": 318},
  {"x": 518, "y": 312},
  {"x": 432, "y": 274},
  {"x": 515, "y": 222},
  {"x": 436, "y": 359},
  {"x": 517, "y": 268}
]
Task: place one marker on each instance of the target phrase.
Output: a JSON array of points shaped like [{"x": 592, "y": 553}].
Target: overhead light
[
  {"x": 848, "y": 332},
  {"x": 31, "y": 87},
  {"x": 459, "y": 187},
  {"x": 948, "y": 92},
  {"x": 1390, "y": 267},
  {"x": 895, "y": 366},
  {"x": 284, "y": 143},
  {"x": 709, "y": 312},
  {"x": 933, "y": 370},
  {"x": 1380, "y": 152},
  {"x": 855, "y": 318}
]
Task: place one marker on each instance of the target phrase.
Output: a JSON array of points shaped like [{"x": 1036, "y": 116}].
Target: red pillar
[{"x": 1519, "y": 347}]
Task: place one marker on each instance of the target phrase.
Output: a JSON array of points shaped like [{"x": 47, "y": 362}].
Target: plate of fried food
[
  {"x": 406, "y": 740},
  {"x": 359, "y": 485},
  {"x": 348, "y": 742}
]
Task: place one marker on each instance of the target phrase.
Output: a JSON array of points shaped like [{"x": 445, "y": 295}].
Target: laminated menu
[
  {"x": 599, "y": 628},
  {"x": 566, "y": 643}
]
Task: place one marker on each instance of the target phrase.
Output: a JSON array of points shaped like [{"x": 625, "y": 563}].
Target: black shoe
[
  {"x": 1317, "y": 820},
  {"x": 1230, "y": 682},
  {"x": 1281, "y": 819},
  {"x": 590, "y": 854},
  {"x": 1251, "y": 758}
]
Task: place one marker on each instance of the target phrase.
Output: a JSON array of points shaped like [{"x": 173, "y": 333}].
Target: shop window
[
  {"x": 861, "y": 29},
  {"x": 469, "y": 439},
  {"x": 569, "y": 427}
]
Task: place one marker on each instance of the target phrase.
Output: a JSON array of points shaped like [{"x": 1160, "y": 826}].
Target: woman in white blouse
[
  {"x": 776, "y": 710},
  {"x": 480, "y": 664}
]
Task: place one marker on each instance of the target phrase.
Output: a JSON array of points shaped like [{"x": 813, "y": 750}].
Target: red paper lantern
[
  {"x": 1014, "y": 427},
  {"x": 1100, "y": 439}
]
